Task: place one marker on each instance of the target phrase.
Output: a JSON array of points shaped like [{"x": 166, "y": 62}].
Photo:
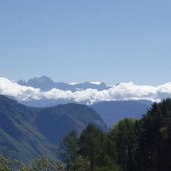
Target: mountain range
[
  {"x": 46, "y": 83},
  {"x": 110, "y": 111},
  {"x": 36, "y": 114},
  {"x": 44, "y": 92},
  {"x": 27, "y": 132}
]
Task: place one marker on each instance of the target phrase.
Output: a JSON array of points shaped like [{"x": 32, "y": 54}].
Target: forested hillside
[{"x": 130, "y": 145}]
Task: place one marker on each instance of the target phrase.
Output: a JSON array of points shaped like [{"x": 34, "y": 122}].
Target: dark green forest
[{"x": 130, "y": 145}]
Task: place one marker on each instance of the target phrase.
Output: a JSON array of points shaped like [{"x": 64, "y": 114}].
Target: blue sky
[{"x": 94, "y": 40}]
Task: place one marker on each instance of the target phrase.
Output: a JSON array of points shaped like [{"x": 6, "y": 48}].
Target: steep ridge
[
  {"x": 18, "y": 138},
  {"x": 62, "y": 118},
  {"x": 26, "y": 133}
]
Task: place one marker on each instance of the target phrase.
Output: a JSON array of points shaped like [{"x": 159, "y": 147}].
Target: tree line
[{"x": 130, "y": 145}]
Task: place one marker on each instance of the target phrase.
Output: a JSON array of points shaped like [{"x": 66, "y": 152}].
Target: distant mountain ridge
[
  {"x": 43, "y": 92},
  {"x": 27, "y": 132},
  {"x": 113, "y": 111},
  {"x": 46, "y": 83}
]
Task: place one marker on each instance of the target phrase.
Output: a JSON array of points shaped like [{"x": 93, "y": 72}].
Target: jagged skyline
[{"x": 88, "y": 93}]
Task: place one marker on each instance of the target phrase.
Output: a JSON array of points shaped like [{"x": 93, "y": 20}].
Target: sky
[{"x": 94, "y": 40}]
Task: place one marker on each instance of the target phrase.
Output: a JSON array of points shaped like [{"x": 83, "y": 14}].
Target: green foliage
[
  {"x": 39, "y": 164},
  {"x": 68, "y": 150},
  {"x": 44, "y": 164},
  {"x": 107, "y": 164},
  {"x": 25, "y": 168},
  {"x": 93, "y": 152},
  {"x": 154, "y": 150},
  {"x": 123, "y": 134},
  {"x": 8, "y": 164},
  {"x": 91, "y": 144},
  {"x": 81, "y": 164}
]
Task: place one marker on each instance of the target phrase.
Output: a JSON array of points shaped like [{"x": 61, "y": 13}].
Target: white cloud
[
  {"x": 123, "y": 91},
  {"x": 73, "y": 83},
  {"x": 96, "y": 82},
  {"x": 10, "y": 88}
]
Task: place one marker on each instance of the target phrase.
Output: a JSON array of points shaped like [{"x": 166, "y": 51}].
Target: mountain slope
[
  {"x": 26, "y": 133},
  {"x": 62, "y": 118},
  {"x": 113, "y": 111},
  {"x": 18, "y": 138}
]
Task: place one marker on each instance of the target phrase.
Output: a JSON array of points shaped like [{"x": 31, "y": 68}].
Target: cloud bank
[{"x": 123, "y": 91}]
